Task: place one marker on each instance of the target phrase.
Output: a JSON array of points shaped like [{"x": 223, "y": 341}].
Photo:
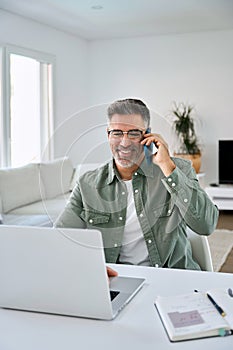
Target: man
[{"x": 141, "y": 207}]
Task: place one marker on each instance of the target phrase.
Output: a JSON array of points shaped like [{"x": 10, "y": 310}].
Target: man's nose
[{"x": 125, "y": 141}]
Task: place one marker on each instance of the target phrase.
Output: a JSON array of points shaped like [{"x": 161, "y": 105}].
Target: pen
[{"x": 218, "y": 308}]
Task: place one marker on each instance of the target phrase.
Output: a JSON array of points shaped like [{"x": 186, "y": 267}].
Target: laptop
[{"x": 60, "y": 271}]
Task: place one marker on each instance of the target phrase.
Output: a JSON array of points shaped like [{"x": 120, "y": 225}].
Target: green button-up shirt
[{"x": 164, "y": 206}]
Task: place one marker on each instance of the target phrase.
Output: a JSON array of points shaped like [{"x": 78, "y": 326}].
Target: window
[{"x": 27, "y": 107}]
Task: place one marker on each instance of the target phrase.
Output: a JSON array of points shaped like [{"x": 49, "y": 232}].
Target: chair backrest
[
  {"x": 81, "y": 169},
  {"x": 201, "y": 250}
]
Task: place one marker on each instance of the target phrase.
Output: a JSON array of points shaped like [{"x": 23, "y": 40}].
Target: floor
[
  {"x": 226, "y": 222},
  {"x": 225, "y": 219}
]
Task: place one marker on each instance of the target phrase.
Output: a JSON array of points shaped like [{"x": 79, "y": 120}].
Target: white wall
[
  {"x": 71, "y": 67},
  {"x": 194, "y": 68}
]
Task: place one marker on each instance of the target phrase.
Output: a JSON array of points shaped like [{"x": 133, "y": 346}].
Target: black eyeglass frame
[{"x": 121, "y": 133}]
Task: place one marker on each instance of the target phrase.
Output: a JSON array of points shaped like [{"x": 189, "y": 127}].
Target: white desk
[
  {"x": 137, "y": 327},
  {"x": 222, "y": 196}
]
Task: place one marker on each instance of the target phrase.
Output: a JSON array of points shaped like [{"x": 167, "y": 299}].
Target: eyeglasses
[{"x": 131, "y": 134}]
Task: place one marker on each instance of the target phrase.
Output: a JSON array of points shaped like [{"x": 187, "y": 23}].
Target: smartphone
[{"x": 148, "y": 150}]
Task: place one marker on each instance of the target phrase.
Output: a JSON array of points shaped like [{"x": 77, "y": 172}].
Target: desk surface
[{"x": 137, "y": 327}]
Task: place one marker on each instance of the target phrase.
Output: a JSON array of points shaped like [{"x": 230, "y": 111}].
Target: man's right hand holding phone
[{"x": 161, "y": 157}]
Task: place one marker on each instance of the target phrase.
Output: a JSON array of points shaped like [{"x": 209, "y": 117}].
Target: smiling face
[{"x": 127, "y": 152}]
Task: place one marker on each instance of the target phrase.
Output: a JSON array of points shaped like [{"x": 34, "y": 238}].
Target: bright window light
[{"x": 24, "y": 110}]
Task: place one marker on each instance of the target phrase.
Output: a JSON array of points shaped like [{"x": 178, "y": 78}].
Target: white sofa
[{"x": 35, "y": 194}]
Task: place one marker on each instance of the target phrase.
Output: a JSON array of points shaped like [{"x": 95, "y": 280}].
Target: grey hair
[{"x": 129, "y": 106}]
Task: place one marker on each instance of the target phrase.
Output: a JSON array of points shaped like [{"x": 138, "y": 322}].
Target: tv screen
[{"x": 225, "y": 156}]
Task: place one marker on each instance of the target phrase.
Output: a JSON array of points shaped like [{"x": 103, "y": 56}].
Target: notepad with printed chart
[{"x": 197, "y": 314}]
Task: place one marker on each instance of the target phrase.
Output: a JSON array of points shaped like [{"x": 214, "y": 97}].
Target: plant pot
[{"x": 195, "y": 159}]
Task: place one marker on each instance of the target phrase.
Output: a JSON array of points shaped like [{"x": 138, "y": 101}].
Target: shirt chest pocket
[
  {"x": 94, "y": 218},
  {"x": 164, "y": 210},
  {"x": 166, "y": 218}
]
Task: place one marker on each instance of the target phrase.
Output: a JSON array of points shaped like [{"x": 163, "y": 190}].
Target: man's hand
[
  {"x": 111, "y": 272},
  {"x": 161, "y": 157}
]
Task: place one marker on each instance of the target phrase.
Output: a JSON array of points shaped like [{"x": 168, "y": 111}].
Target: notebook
[
  {"x": 60, "y": 271},
  {"x": 197, "y": 314}
]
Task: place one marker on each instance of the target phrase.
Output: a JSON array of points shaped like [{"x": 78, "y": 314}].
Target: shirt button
[
  {"x": 120, "y": 218},
  {"x": 141, "y": 215},
  {"x": 123, "y": 193},
  {"x": 169, "y": 179},
  {"x": 185, "y": 200},
  {"x": 173, "y": 184},
  {"x": 149, "y": 241},
  {"x": 169, "y": 211},
  {"x": 156, "y": 265},
  {"x": 91, "y": 221},
  {"x": 115, "y": 245},
  {"x": 136, "y": 191},
  {"x": 135, "y": 174}
]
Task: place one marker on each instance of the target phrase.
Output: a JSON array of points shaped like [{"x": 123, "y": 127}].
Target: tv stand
[{"x": 222, "y": 196}]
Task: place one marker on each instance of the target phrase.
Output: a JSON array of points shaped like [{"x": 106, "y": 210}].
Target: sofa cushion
[
  {"x": 19, "y": 186},
  {"x": 56, "y": 176},
  {"x": 49, "y": 207}
]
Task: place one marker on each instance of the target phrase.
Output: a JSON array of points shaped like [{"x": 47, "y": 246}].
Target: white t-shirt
[{"x": 133, "y": 250}]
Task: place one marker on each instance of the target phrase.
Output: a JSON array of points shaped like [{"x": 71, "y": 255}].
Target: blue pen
[{"x": 217, "y": 307}]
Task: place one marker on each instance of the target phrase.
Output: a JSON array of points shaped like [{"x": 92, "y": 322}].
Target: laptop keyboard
[{"x": 113, "y": 294}]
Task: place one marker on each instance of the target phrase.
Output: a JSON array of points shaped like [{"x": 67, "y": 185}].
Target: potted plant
[{"x": 184, "y": 126}]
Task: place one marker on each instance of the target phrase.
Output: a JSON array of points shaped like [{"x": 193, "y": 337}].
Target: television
[{"x": 225, "y": 166}]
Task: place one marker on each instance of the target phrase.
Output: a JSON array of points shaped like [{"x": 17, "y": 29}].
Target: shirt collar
[
  {"x": 111, "y": 173},
  {"x": 145, "y": 169}
]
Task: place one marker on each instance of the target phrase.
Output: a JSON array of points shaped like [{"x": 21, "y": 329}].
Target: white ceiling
[{"x": 126, "y": 18}]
